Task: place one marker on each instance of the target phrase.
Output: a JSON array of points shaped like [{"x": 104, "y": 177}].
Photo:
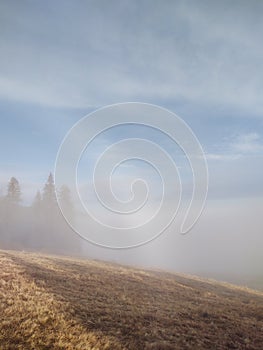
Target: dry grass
[{"x": 59, "y": 303}]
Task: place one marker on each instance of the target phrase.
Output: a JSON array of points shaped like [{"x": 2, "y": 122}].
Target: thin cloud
[
  {"x": 179, "y": 51},
  {"x": 250, "y": 143},
  {"x": 236, "y": 147},
  {"x": 222, "y": 157}
]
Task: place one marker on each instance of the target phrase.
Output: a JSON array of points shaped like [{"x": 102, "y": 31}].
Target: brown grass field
[{"x": 50, "y": 302}]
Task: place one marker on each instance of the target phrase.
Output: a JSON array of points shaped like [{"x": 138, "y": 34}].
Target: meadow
[{"x": 53, "y": 302}]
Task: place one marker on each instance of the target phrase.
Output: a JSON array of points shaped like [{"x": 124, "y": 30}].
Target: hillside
[{"x": 50, "y": 302}]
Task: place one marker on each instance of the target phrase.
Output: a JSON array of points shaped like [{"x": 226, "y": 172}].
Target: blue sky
[
  {"x": 60, "y": 60},
  {"x": 203, "y": 60}
]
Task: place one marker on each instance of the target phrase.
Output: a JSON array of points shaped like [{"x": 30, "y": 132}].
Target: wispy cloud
[
  {"x": 222, "y": 157},
  {"x": 128, "y": 51},
  {"x": 249, "y": 143},
  {"x": 236, "y": 147}
]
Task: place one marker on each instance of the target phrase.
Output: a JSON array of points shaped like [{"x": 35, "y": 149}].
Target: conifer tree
[
  {"x": 37, "y": 201},
  {"x": 66, "y": 202},
  {"x": 13, "y": 191},
  {"x": 49, "y": 195}
]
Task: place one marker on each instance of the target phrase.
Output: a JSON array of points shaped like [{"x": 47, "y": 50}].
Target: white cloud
[
  {"x": 238, "y": 146},
  {"x": 222, "y": 157},
  {"x": 247, "y": 143}
]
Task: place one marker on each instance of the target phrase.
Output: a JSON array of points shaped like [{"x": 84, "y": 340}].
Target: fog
[
  {"x": 225, "y": 244},
  {"x": 39, "y": 227}
]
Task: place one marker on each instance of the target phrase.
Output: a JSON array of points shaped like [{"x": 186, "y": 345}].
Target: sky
[{"x": 61, "y": 60}]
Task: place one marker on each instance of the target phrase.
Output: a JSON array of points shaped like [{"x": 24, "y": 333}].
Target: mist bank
[
  {"x": 39, "y": 227},
  {"x": 226, "y": 242}
]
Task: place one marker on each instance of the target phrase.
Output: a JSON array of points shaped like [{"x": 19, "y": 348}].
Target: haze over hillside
[{"x": 218, "y": 248}]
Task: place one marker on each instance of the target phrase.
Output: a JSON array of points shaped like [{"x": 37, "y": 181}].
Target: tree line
[{"x": 40, "y": 226}]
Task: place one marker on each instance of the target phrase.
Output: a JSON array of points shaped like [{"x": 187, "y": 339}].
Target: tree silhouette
[
  {"x": 49, "y": 194},
  {"x": 71, "y": 241},
  {"x": 50, "y": 214},
  {"x": 13, "y": 191},
  {"x": 37, "y": 201},
  {"x": 66, "y": 202},
  {"x": 12, "y": 213},
  {"x": 41, "y": 226}
]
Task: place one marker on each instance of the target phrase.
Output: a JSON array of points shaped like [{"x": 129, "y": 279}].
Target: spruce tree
[
  {"x": 49, "y": 216},
  {"x": 13, "y": 192},
  {"x": 37, "y": 201},
  {"x": 66, "y": 203},
  {"x": 49, "y": 195}
]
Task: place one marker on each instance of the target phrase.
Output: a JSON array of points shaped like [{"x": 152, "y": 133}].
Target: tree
[
  {"x": 12, "y": 214},
  {"x": 49, "y": 212},
  {"x": 13, "y": 191},
  {"x": 66, "y": 203},
  {"x": 71, "y": 242},
  {"x": 49, "y": 194},
  {"x": 37, "y": 201}
]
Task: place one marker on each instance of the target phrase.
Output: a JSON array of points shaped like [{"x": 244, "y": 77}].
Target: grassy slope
[{"x": 59, "y": 303}]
